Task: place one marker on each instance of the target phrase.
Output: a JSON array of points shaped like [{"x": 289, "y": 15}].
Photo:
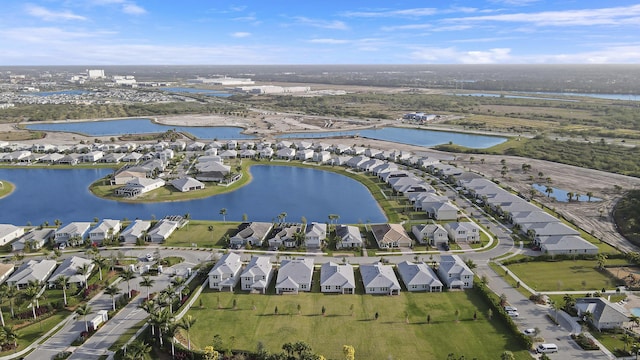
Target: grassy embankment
[
  {"x": 349, "y": 319},
  {"x": 6, "y": 188}
]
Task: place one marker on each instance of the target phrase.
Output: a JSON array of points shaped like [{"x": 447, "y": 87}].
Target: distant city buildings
[{"x": 226, "y": 81}]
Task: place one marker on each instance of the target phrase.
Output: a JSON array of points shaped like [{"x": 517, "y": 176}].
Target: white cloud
[
  {"x": 329, "y": 41},
  {"x": 133, "y": 9},
  {"x": 50, "y": 15},
  {"x": 454, "y": 55},
  {"x": 46, "y": 35},
  {"x": 240, "y": 34},
  {"x": 515, "y": 2},
  {"x": 325, "y": 24},
  {"x": 585, "y": 17},
  {"x": 407, "y": 27},
  {"x": 415, "y": 12}
]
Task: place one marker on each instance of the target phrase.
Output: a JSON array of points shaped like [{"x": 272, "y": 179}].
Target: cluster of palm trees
[{"x": 161, "y": 311}]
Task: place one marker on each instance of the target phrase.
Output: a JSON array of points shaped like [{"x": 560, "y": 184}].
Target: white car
[
  {"x": 513, "y": 313},
  {"x": 529, "y": 332},
  {"x": 149, "y": 257},
  {"x": 510, "y": 308}
]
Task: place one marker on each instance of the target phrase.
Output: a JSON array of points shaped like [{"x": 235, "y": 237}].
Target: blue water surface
[
  {"x": 139, "y": 126},
  {"x": 48, "y": 194}
]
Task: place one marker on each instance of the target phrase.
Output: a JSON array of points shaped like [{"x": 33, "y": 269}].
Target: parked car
[
  {"x": 510, "y": 308},
  {"x": 149, "y": 257},
  {"x": 513, "y": 313},
  {"x": 547, "y": 348},
  {"x": 529, "y": 332}
]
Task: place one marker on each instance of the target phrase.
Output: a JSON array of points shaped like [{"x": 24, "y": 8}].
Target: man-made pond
[
  {"x": 563, "y": 195},
  {"x": 139, "y": 126},
  {"x": 47, "y": 194},
  {"x": 411, "y": 136}
]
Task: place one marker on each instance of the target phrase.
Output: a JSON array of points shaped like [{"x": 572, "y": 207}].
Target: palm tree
[
  {"x": 99, "y": 262},
  {"x": 137, "y": 350},
  {"x": 10, "y": 335},
  {"x": 148, "y": 283},
  {"x": 223, "y": 212},
  {"x": 187, "y": 323},
  {"x": 570, "y": 196},
  {"x": 589, "y": 196},
  {"x": 32, "y": 294},
  {"x": 3, "y": 292},
  {"x": 84, "y": 310},
  {"x": 282, "y": 217},
  {"x": 84, "y": 270},
  {"x": 160, "y": 318},
  {"x": 548, "y": 190},
  {"x": 170, "y": 331},
  {"x": 63, "y": 282},
  {"x": 11, "y": 293},
  {"x": 602, "y": 260},
  {"x": 112, "y": 290},
  {"x": 170, "y": 293},
  {"x": 127, "y": 275}
]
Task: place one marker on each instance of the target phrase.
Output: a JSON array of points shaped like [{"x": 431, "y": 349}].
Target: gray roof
[
  {"x": 452, "y": 264},
  {"x": 379, "y": 275},
  {"x": 259, "y": 265},
  {"x": 565, "y": 243},
  {"x": 298, "y": 271},
  {"x": 418, "y": 274},
  {"x": 32, "y": 270},
  {"x": 604, "y": 312},
  {"x": 332, "y": 274},
  {"x": 69, "y": 267},
  {"x": 229, "y": 264}
]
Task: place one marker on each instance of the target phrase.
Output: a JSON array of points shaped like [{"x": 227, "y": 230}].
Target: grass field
[
  {"x": 567, "y": 275},
  {"x": 197, "y": 232},
  {"x": 6, "y": 188},
  {"x": 389, "y": 336}
]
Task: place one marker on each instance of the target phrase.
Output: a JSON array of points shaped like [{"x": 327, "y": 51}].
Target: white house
[
  {"x": 35, "y": 239},
  {"x": 136, "y": 230},
  {"x": 463, "y": 231},
  {"x": 187, "y": 183},
  {"x": 455, "y": 273},
  {"x": 106, "y": 229},
  {"x": 69, "y": 268},
  {"x": 9, "y": 232},
  {"x": 32, "y": 270},
  {"x": 348, "y": 237},
  {"x": 253, "y": 233},
  {"x": 337, "y": 278},
  {"x": 92, "y": 156},
  {"x": 294, "y": 276},
  {"x": 226, "y": 272},
  {"x": 433, "y": 234},
  {"x": 138, "y": 186},
  {"x": 315, "y": 235},
  {"x": 75, "y": 231},
  {"x": 257, "y": 275},
  {"x": 419, "y": 277},
  {"x": 379, "y": 279},
  {"x": 163, "y": 229}
]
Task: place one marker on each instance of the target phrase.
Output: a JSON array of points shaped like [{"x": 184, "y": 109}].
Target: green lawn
[
  {"x": 567, "y": 275},
  {"x": 6, "y": 188},
  {"x": 30, "y": 333},
  {"x": 389, "y": 336},
  {"x": 197, "y": 232}
]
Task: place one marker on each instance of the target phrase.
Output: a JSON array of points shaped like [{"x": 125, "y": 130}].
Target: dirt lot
[{"x": 577, "y": 180}]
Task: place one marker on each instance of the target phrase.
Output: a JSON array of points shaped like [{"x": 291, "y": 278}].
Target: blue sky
[{"x": 191, "y": 32}]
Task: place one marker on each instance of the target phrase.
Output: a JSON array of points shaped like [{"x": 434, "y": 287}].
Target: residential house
[
  {"x": 112, "y": 158},
  {"x": 165, "y": 155},
  {"x": 439, "y": 207},
  {"x": 127, "y": 174},
  {"x": 566, "y": 245},
  {"x": 248, "y": 153},
  {"x": 467, "y": 232},
  {"x": 432, "y": 234},
  {"x": 419, "y": 277},
  {"x": 454, "y": 273},
  {"x": 139, "y": 186},
  {"x": 9, "y": 232},
  {"x": 70, "y": 159},
  {"x": 108, "y": 228},
  {"x": 5, "y": 271},
  {"x": 321, "y": 156},
  {"x": 604, "y": 314},
  {"x": 69, "y": 268},
  {"x": 136, "y": 230},
  {"x": 294, "y": 276},
  {"x": 226, "y": 272},
  {"x": 315, "y": 235},
  {"x": 286, "y": 153},
  {"x": 74, "y": 232},
  {"x": 208, "y": 169},
  {"x": 185, "y": 184},
  {"x": 229, "y": 154},
  {"x": 379, "y": 279},
  {"x": 253, "y": 233},
  {"x": 92, "y": 156},
  {"x": 195, "y": 146},
  {"x": 284, "y": 236},
  {"x": 348, "y": 237},
  {"x": 163, "y": 229},
  {"x": 304, "y": 154},
  {"x": 34, "y": 239},
  {"x": 32, "y": 270},
  {"x": 266, "y": 152},
  {"x": 257, "y": 274},
  {"x": 390, "y": 236},
  {"x": 337, "y": 278}
]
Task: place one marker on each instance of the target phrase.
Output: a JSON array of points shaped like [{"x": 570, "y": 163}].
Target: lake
[
  {"x": 411, "y": 136},
  {"x": 139, "y": 126},
  {"x": 299, "y": 192},
  {"x": 561, "y": 195}
]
